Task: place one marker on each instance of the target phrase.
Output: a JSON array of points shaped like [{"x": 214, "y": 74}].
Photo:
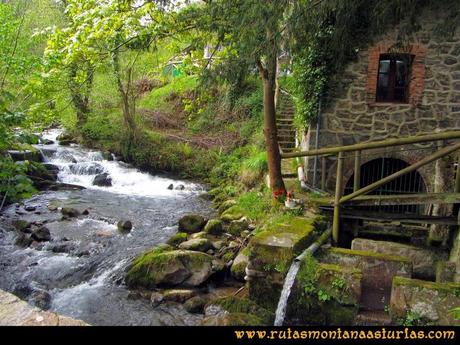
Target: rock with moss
[
  {"x": 238, "y": 269},
  {"x": 236, "y": 227},
  {"x": 70, "y": 212},
  {"x": 236, "y": 305},
  {"x": 22, "y": 225},
  {"x": 195, "y": 305},
  {"x": 163, "y": 266},
  {"x": 191, "y": 223},
  {"x": 177, "y": 239},
  {"x": 214, "y": 227},
  {"x": 226, "y": 205},
  {"x": 233, "y": 213},
  {"x": 232, "y": 319},
  {"x": 200, "y": 234},
  {"x": 66, "y": 139},
  {"x": 197, "y": 244}
]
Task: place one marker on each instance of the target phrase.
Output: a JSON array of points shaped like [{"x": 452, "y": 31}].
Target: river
[{"x": 82, "y": 268}]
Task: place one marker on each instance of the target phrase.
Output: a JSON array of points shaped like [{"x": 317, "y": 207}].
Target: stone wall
[
  {"x": 428, "y": 301},
  {"x": 352, "y": 115}
]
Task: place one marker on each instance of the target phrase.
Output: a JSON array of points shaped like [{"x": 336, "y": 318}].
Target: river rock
[
  {"x": 191, "y": 223},
  {"x": 66, "y": 156},
  {"x": 23, "y": 240},
  {"x": 156, "y": 298},
  {"x": 200, "y": 234},
  {"x": 70, "y": 212},
  {"x": 52, "y": 169},
  {"x": 226, "y": 205},
  {"x": 178, "y": 295},
  {"x": 124, "y": 226},
  {"x": 102, "y": 180},
  {"x": 233, "y": 305},
  {"x": 197, "y": 244},
  {"x": 31, "y": 155},
  {"x": 164, "y": 266},
  {"x": 107, "y": 156},
  {"x": 231, "y": 319},
  {"x": 180, "y": 187},
  {"x": 66, "y": 139},
  {"x": 233, "y": 213},
  {"x": 177, "y": 239},
  {"x": 42, "y": 234},
  {"x": 238, "y": 269},
  {"x": 22, "y": 225},
  {"x": 44, "y": 141},
  {"x": 171, "y": 187},
  {"x": 30, "y": 208},
  {"x": 195, "y": 305},
  {"x": 41, "y": 299},
  {"x": 214, "y": 227},
  {"x": 237, "y": 226}
]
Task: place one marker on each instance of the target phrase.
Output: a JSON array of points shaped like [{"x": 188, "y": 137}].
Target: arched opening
[{"x": 379, "y": 168}]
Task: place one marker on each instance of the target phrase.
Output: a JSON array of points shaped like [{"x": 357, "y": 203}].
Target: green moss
[
  {"x": 449, "y": 288},
  {"x": 213, "y": 227},
  {"x": 177, "y": 239},
  {"x": 379, "y": 256},
  {"x": 233, "y": 213},
  {"x": 245, "y": 306}
]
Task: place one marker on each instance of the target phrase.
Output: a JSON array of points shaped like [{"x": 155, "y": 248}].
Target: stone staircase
[{"x": 285, "y": 122}]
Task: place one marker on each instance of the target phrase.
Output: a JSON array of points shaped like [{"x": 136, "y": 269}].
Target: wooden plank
[{"x": 376, "y": 144}]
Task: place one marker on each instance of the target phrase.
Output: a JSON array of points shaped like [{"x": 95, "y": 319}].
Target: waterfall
[{"x": 285, "y": 293}]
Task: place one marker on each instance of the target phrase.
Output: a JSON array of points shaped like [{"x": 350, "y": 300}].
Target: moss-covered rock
[
  {"x": 165, "y": 267},
  {"x": 22, "y": 225},
  {"x": 233, "y": 213},
  {"x": 191, "y": 223},
  {"x": 241, "y": 305},
  {"x": 238, "y": 269},
  {"x": 236, "y": 227},
  {"x": 197, "y": 244},
  {"x": 70, "y": 212},
  {"x": 178, "y": 295},
  {"x": 177, "y": 239},
  {"x": 224, "y": 206},
  {"x": 214, "y": 227},
  {"x": 232, "y": 319},
  {"x": 195, "y": 304},
  {"x": 427, "y": 301}
]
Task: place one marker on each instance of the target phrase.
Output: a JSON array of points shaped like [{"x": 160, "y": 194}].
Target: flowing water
[
  {"x": 285, "y": 293},
  {"x": 82, "y": 268}
]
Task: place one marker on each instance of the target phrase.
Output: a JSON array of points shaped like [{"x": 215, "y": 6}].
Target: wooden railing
[{"x": 358, "y": 194}]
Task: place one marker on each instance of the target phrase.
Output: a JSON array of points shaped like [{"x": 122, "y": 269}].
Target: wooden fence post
[
  {"x": 338, "y": 195},
  {"x": 357, "y": 172}
]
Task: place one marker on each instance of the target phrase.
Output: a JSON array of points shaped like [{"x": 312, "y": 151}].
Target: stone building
[{"x": 395, "y": 88}]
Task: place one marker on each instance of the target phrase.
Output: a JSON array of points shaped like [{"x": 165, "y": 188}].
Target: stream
[{"x": 81, "y": 269}]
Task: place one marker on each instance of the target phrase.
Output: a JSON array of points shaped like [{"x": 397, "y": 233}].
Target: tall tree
[{"x": 252, "y": 31}]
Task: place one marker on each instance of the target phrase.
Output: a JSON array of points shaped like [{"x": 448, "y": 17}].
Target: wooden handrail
[{"x": 375, "y": 144}]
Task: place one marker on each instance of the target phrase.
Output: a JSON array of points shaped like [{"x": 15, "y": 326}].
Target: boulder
[
  {"x": 30, "y": 208},
  {"x": 87, "y": 168},
  {"x": 180, "y": 187},
  {"x": 23, "y": 240},
  {"x": 107, "y": 156},
  {"x": 177, "y": 239},
  {"x": 226, "y": 205},
  {"x": 238, "y": 269},
  {"x": 233, "y": 213},
  {"x": 165, "y": 267},
  {"x": 200, "y": 234},
  {"x": 42, "y": 234},
  {"x": 197, "y": 244},
  {"x": 195, "y": 305},
  {"x": 31, "y": 155},
  {"x": 70, "y": 212},
  {"x": 124, "y": 226},
  {"x": 171, "y": 187},
  {"x": 40, "y": 175},
  {"x": 236, "y": 227},
  {"x": 214, "y": 227},
  {"x": 191, "y": 223},
  {"x": 232, "y": 319},
  {"x": 66, "y": 156},
  {"x": 66, "y": 139},
  {"x": 156, "y": 299},
  {"x": 22, "y": 225},
  {"x": 102, "y": 180}
]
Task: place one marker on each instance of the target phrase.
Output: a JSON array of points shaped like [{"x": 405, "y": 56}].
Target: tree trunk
[
  {"x": 270, "y": 130},
  {"x": 80, "y": 99}
]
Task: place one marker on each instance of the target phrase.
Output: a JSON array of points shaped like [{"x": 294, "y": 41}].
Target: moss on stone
[
  {"x": 224, "y": 206},
  {"x": 243, "y": 305},
  {"x": 450, "y": 288},
  {"x": 233, "y": 319},
  {"x": 177, "y": 239},
  {"x": 233, "y": 213},
  {"x": 213, "y": 227},
  {"x": 379, "y": 256}
]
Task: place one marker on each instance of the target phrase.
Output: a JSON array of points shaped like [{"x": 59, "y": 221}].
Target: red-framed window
[{"x": 393, "y": 78}]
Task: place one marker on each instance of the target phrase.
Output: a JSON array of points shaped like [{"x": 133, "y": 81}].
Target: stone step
[{"x": 372, "y": 318}]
